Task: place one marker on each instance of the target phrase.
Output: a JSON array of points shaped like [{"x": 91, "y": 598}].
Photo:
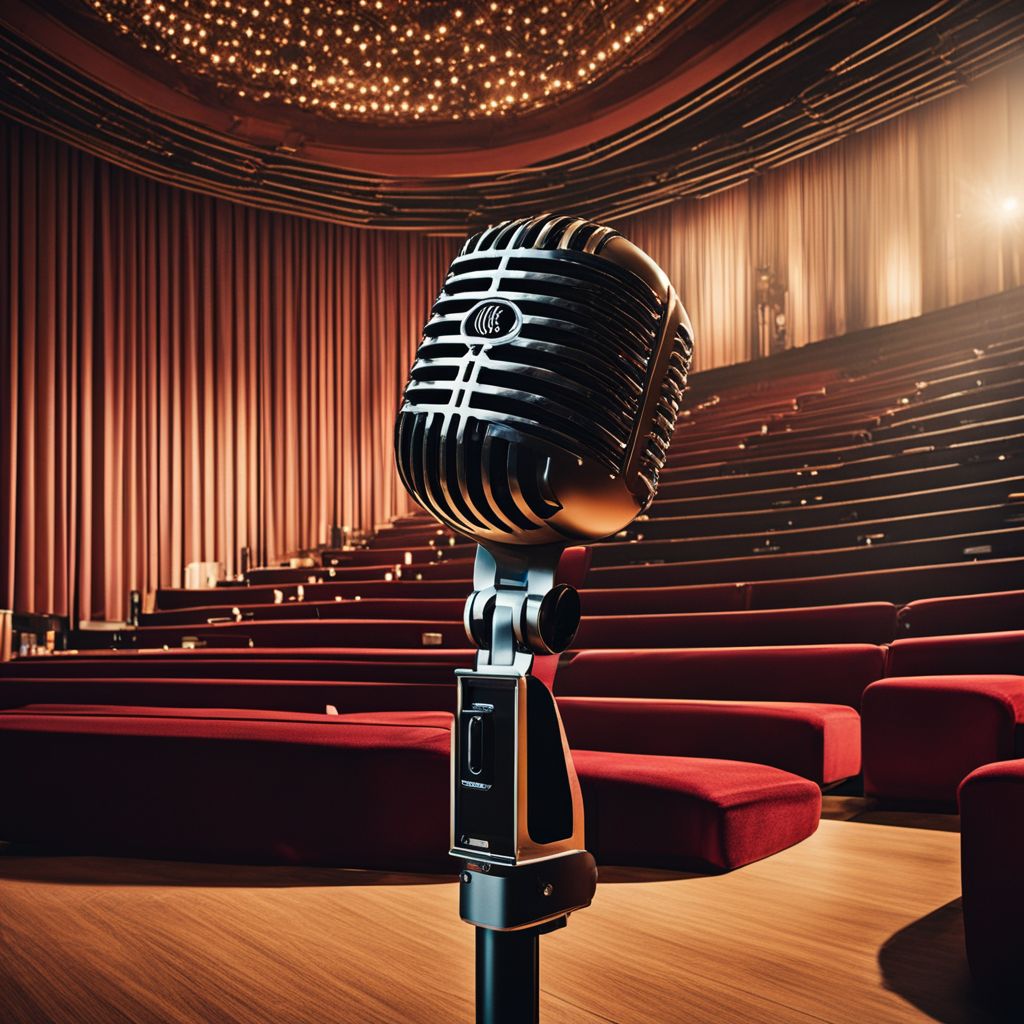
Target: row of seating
[
  {"x": 614, "y": 618},
  {"x": 357, "y": 790},
  {"x": 790, "y": 707},
  {"x": 900, "y": 585}
]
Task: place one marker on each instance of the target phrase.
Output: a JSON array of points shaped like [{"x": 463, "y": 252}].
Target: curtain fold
[
  {"x": 899, "y": 220},
  {"x": 181, "y": 377}
]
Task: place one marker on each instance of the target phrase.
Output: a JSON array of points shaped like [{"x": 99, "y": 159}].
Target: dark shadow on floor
[
  {"x": 925, "y": 964},
  {"x": 870, "y": 812}
]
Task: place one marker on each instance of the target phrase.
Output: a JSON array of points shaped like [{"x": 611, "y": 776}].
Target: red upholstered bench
[
  {"x": 820, "y": 742},
  {"x": 312, "y": 633},
  {"x": 936, "y": 616},
  {"x": 396, "y": 608},
  {"x": 430, "y": 665},
  {"x": 923, "y": 734},
  {"x": 220, "y": 597},
  {"x": 963, "y": 654},
  {"x": 991, "y": 850},
  {"x": 715, "y": 597},
  {"x": 812, "y": 674},
  {"x": 356, "y": 790},
  {"x": 278, "y": 693},
  {"x": 229, "y": 785},
  {"x": 857, "y": 623},
  {"x": 870, "y": 623}
]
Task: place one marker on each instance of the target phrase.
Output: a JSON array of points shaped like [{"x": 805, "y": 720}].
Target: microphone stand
[{"x": 517, "y": 811}]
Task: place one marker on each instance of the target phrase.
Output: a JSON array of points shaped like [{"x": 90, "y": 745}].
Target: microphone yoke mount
[{"x": 517, "y": 811}]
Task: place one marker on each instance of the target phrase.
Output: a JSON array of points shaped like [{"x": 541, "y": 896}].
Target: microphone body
[{"x": 538, "y": 414}]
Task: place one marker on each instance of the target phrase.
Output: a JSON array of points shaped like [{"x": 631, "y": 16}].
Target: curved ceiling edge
[
  {"x": 854, "y": 66},
  {"x": 385, "y": 151}
]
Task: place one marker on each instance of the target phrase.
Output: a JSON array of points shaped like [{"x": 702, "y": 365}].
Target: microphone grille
[
  {"x": 549, "y": 336},
  {"x": 561, "y": 232}
]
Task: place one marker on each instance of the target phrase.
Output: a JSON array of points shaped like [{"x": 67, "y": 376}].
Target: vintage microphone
[{"x": 538, "y": 414}]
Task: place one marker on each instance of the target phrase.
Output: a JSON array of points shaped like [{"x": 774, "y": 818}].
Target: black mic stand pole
[{"x": 517, "y": 812}]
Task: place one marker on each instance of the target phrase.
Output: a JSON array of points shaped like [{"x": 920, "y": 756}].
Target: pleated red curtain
[
  {"x": 921, "y": 212},
  {"x": 180, "y": 376}
]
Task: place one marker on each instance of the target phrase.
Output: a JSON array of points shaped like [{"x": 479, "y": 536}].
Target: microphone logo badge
[{"x": 492, "y": 320}]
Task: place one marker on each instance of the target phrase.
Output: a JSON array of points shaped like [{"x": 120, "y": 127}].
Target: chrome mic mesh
[{"x": 545, "y": 390}]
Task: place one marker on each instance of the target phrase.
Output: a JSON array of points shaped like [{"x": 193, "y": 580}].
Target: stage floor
[{"x": 858, "y": 925}]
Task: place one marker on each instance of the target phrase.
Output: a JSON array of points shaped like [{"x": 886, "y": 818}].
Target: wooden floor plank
[{"x": 857, "y": 925}]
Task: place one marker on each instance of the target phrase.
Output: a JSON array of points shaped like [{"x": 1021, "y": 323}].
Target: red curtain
[
  {"x": 181, "y": 376},
  {"x": 904, "y": 218}
]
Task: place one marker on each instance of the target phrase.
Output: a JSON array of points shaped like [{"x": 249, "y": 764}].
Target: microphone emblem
[{"x": 492, "y": 320}]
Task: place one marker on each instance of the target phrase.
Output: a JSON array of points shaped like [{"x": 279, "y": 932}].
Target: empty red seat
[
  {"x": 817, "y": 741},
  {"x": 385, "y": 608},
  {"x": 219, "y": 597},
  {"x": 813, "y": 674},
  {"x": 312, "y": 633},
  {"x": 899, "y": 584},
  {"x": 716, "y": 597},
  {"x": 229, "y": 785},
  {"x": 361, "y": 791},
  {"x": 873, "y": 623},
  {"x": 965, "y": 654},
  {"x": 976, "y": 613},
  {"x": 991, "y": 851},
  {"x": 922, "y": 735},
  {"x": 691, "y": 813},
  {"x": 424, "y": 665},
  {"x": 820, "y": 742},
  {"x": 455, "y": 569},
  {"x": 857, "y": 623},
  {"x": 310, "y": 696}
]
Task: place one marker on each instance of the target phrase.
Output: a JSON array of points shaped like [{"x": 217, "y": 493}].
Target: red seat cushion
[
  {"x": 368, "y": 790},
  {"x": 923, "y": 734},
  {"x": 992, "y": 849},
  {"x": 820, "y": 742},
  {"x": 812, "y": 674},
  {"x": 691, "y": 813}
]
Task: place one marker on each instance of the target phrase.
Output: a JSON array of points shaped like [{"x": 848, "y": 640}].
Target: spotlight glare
[{"x": 1010, "y": 206}]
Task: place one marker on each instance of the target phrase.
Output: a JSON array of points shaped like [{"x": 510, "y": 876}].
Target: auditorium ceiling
[{"x": 445, "y": 116}]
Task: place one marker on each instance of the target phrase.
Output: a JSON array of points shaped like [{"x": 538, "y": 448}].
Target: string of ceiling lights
[
  {"x": 393, "y": 59},
  {"x": 873, "y": 62}
]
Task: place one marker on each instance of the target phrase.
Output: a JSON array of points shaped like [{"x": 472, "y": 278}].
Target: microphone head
[{"x": 544, "y": 393}]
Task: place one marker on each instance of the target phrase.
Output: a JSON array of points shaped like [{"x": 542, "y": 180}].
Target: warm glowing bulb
[{"x": 1010, "y": 206}]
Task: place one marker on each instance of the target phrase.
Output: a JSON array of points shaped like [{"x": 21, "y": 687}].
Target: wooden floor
[{"x": 858, "y": 925}]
